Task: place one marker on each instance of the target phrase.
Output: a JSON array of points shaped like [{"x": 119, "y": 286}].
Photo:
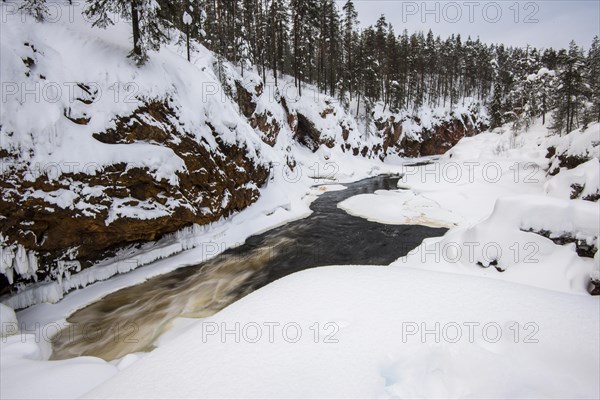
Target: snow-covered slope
[
  {"x": 98, "y": 153},
  {"x": 575, "y": 164},
  {"x": 373, "y": 332}
]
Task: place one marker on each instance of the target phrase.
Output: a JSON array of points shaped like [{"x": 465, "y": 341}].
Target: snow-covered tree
[
  {"x": 570, "y": 90},
  {"x": 496, "y": 107},
  {"x": 187, "y": 21},
  {"x": 350, "y": 44},
  {"x": 150, "y": 29},
  {"x": 594, "y": 77},
  {"x": 193, "y": 19},
  {"x": 244, "y": 53},
  {"x": 36, "y": 8}
]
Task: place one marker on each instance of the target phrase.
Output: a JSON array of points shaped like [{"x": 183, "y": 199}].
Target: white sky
[{"x": 551, "y": 23}]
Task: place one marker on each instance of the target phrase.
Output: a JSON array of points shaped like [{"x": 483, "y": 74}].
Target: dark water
[{"x": 133, "y": 318}]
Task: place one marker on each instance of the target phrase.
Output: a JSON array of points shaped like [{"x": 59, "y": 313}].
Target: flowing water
[{"x": 131, "y": 319}]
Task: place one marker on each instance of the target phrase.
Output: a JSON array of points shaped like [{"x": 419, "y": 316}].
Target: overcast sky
[{"x": 549, "y": 23}]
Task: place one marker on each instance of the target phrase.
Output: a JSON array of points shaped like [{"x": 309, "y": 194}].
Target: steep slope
[{"x": 97, "y": 153}]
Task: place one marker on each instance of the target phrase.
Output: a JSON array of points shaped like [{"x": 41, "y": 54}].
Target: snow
[
  {"x": 586, "y": 175},
  {"x": 401, "y": 207},
  {"x": 372, "y": 306},
  {"x": 580, "y": 143},
  {"x": 462, "y": 186},
  {"x": 281, "y": 200},
  {"x": 8, "y": 321},
  {"x": 491, "y": 190},
  {"x": 67, "y": 53},
  {"x": 368, "y": 350},
  {"x": 187, "y": 18},
  {"x": 596, "y": 272},
  {"x": 27, "y": 373},
  {"x": 523, "y": 257},
  {"x": 17, "y": 259}
]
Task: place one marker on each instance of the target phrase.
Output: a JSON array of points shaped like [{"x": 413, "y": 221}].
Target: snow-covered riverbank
[{"x": 423, "y": 330}]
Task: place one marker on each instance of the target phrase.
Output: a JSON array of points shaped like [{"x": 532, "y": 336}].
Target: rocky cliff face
[
  {"x": 433, "y": 137},
  {"x": 123, "y": 204},
  {"x": 326, "y": 123}
]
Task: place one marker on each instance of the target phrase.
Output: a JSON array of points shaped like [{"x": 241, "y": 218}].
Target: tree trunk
[
  {"x": 135, "y": 25},
  {"x": 274, "y": 39},
  {"x": 187, "y": 40}
]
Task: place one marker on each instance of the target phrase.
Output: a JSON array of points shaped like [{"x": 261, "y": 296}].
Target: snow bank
[
  {"x": 581, "y": 144},
  {"x": 502, "y": 247},
  {"x": 27, "y": 373},
  {"x": 463, "y": 185},
  {"x": 496, "y": 183},
  {"x": 370, "y": 342},
  {"x": 8, "y": 321},
  {"x": 400, "y": 207},
  {"x": 585, "y": 176}
]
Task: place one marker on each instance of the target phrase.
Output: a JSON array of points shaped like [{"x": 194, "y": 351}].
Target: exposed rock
[
  {"x": 435, "y": 141},
  {"x": 268, "y": 127},
  {"x": 79, "y": 120},
  {"x": 245, "y": 100},
  {"x": 446, "y": 136},
  {"x": 263, "y": 122},
  {"x": 216, "y": 183},
  {"x": 583, "y": 248},
  {"x": 327, "y": 111},
  {"x": 307, "y": 134},
  {"x": 565, "y": 161},
  {"x": 390, "y": 130}
]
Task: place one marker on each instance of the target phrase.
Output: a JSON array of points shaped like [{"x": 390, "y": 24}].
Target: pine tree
[
  {"x": 311, "y": 41},
  {"x": 496, "y": 109},
  {"x": 36, "y": 8},
  {"x": 187, "y": 21},
  {"x": 350, "y": 42},
  {"x": 303, "y": 29},
  {"x": 150, "y": 28},
  {"x": 192, "y": 20},
  {"x": 594, "y": 77},
  {"x": 568, "y": 95},
  {"x": 278, "y": 19},
  {"x": 244, "y": 54}
]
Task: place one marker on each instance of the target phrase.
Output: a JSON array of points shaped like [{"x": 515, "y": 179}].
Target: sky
[{"x": 548, "y": 23}]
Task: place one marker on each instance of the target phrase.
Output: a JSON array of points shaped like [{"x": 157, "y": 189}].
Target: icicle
[
  {"x": 6, "y": 259},
  {"x": 33, "y": 264},
  {"x": 21, "y": 261}
]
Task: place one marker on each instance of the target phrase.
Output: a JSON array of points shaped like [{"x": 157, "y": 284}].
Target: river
[{"x": 131, "y": 319}]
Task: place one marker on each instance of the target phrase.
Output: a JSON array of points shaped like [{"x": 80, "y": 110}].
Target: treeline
[{"x": 317, "y": 43}]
